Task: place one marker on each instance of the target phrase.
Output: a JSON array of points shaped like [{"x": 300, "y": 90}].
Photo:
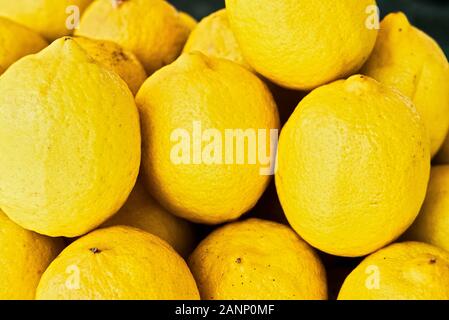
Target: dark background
[{"x": 432, "y": 16}]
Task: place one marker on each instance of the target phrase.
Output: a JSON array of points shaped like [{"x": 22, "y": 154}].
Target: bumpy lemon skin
[
  {"x": 213, "y": 37},
  {"x": 119, "y": 263},
  {"x": 303, "y": 44},
  {"x": 115, "y": 58},
  {"x": 50, "y": 18},
  {"x": 207, "y": 88},
  {"x": 401, "y": 271},
  {"x": 24, "y": 256},
  {"x": 17, "y": 41},
  {"x": 257, "y": 260},
  {"x": 408, "y": 59},
  {"x": 353, "y": 165},
  {"x": 432, "y": 224},
  {"x": 152, "y": 29},
  {"x": 70, "y": 140},
  {"x": 142, "y": 211}
]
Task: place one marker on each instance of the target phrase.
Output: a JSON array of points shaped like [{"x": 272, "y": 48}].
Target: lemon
[
  {"x": 115, "y": 58},
  {"x": 118, "y": 263},
  {"x": 406, "y": 58},
  {"x": 24, "y": 256},
  {"x": 353, "y": 166},
  {"x": 401, "y": 271},
  {"x": 70, "y": 141},
  {"x": 51, "y": 18},
  {"x": 143, "y": 212},
  {"x": 257, "y": 260},
  {"x": 432, "y": 224},
  {"x": 304, "y": 44},
  {"x": 193, "y": 115},
  {"x": 17, "y": 41},
  {"x": 213, "y": 37},
  {"x": 152, "y": 29}
]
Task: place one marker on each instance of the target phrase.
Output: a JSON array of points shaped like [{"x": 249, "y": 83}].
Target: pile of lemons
[{"x": 115, "y": 167}]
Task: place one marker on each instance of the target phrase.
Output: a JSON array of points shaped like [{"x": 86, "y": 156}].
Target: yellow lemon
[
  {"x": 70, "y": 141},
  {"x": 353, "y": 166},
  {"x": 214, "y": 37},
  {"x": 401, "y": 271},
  {"x": 152, "y": 29},
  {"x": 24, "y": 256},
  {"x": 206, "y": 137},
  {"x": 304, "y": 44},
  {"x": 17, "y": 41},
  {"x": 143, "y": 212},
  {"x": 257, "y": 260},
  {"x": 409, "y": 60},
  {"x": 432, "y": 224},
  {"x": 118, "y": 263},
  {"x": 51, "y": 18},
  {"x": 115, "y": 58}
]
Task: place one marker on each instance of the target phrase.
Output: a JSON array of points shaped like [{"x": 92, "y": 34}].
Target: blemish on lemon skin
[
  {"x": 95, "y": 250},
  {"x": 117, "y": 3},
  {"x": 238, "y": 260},
  {"x": 433, "y": 261},
  {"x": 119, "y": 56}
]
